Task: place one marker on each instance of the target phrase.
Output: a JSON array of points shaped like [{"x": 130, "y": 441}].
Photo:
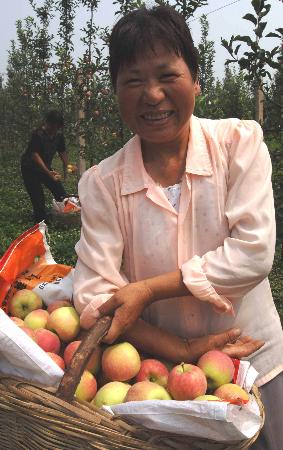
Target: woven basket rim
[{"x": 43, "y": 405}]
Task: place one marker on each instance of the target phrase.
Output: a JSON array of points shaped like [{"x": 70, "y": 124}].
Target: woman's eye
[
  {"x": 134, "y": 81},
  {"x": 169, "y": 76}
]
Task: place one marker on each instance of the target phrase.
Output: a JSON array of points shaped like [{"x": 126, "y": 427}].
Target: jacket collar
[{"x": 135, "y": 177}]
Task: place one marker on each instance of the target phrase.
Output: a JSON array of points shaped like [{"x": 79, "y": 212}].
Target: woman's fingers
[
  {"x": 198, "y": 346},
  {"x": 243, "y": 347}
]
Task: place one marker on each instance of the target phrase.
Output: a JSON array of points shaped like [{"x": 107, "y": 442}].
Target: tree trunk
[
  {"x": 259, "y": 105},
  {"x": 82, "y": 144}
]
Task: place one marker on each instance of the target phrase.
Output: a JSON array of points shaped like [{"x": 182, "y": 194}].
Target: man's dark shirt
[{"x": 45, "y": 146}]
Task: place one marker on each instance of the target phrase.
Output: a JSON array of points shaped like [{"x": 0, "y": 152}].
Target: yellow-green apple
[
  {"x": 65, "y": 322},
  {"x": 19, "y": 322},
  {"x": 23, "y": 302},
  {"x": 231, "y": 392},
  {"x": 87, "y": 387},
  {"x": 57, "y": 359},
  {"x": 207, "y": 397},
  {"x": 121, "y": 362},
  {"x": 36, "y": 319},
  {"x": 93, "y": 364},
  {"x": 29, "y": 332},
  {"x": 58, "y": 304},
  {"x": 111, "y": 394},
  {"x": 47, "y": 340},
  {"x": 186, "y": 382},
  {"x": 217, "y": 367},
  {"x": 153, "y": 370},
  {"x": 146, "y": 390}
]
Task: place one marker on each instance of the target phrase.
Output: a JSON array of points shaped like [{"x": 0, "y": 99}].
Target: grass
[{"x": 16, "y": 217}]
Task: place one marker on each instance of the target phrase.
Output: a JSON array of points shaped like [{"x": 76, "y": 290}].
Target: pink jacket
[{"x": 222, "y": 238}]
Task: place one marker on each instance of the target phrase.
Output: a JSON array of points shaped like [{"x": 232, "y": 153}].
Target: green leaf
[
  {"x": 251, "y": 18},
  {"x": 237, "y": 49},
  {"x": 246, "y": 39},
  {"x": 257, "y": 5},
  {"x": 272, "y": 35},
  {"x": 259, "y": 30}
]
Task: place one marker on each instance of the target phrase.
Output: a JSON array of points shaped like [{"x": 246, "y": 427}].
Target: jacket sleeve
[
  {"x": 98, "y": 272},
  {"x": 230, "y": 271}
]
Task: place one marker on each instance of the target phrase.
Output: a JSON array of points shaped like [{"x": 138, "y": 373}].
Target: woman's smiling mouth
[{"x": 156, "y": 117}]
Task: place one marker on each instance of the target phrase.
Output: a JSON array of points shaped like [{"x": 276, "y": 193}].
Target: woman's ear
[{"x": 197, "y": 88}]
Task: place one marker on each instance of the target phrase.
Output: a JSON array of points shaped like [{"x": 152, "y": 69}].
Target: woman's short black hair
[
  {"x": 139, "y": 30},
  {"x": 54, "y": 117}
]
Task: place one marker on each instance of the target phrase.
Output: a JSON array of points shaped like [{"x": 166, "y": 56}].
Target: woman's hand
[
  {"x": 242, "y": 347},
  {"x": 126, "y": 306},
  {"x": 230, "y": 342},
  {"x": 55, "y": 175}
]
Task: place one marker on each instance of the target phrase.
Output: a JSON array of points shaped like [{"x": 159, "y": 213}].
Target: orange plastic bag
[{"x": 28, "y": 263}]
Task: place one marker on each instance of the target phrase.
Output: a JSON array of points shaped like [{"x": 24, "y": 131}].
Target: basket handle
[{"x": 72, "y": 376}]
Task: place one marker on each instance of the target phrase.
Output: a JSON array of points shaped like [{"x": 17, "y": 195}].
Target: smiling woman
[{"x": 176, "y": 272}]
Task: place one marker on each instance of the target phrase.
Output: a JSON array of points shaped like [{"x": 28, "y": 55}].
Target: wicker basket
[{"x": 37, "y": 418}]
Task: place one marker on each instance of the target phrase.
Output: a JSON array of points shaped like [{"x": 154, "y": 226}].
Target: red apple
[
  {"x": 57, "y": 359},
  {"x": 186, "y": 382},
  {"x": 233, "y": 393},
  {"x": 58, "y": 304},
  {"x": 121, "y": 362},
  {"x": 36, "y": 319},
  {"x": 47, "y": 340},
  {"x": 23, "y": 302},
  {"x": 65, "y": 322},
  {"x": 153, "y": 370},
  {"x": 217, "y": 367},
  {"x": 111, "y": 394},
  {"x": 93, "y": 364},
  {"x": 87, "y": 387},
  {"x": 146, "y": 390}
]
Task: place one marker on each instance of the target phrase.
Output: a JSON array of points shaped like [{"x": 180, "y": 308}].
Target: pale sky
[{"x": 223, "y": 23}]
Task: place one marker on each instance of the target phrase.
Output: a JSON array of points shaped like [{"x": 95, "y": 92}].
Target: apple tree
[{"x": 255, "y": 61}]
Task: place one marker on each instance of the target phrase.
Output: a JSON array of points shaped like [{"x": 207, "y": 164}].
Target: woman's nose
[{"x": 153, "y": 93}]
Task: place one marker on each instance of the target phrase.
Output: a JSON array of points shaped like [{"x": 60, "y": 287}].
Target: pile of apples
[{"x": 118, "y": 373}]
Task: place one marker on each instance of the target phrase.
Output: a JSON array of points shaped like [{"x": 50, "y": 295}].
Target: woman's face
[{"x": 156, "y": 96}]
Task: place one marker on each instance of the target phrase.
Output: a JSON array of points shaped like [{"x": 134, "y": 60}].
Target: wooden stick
[{"x": 79, "y": 361}]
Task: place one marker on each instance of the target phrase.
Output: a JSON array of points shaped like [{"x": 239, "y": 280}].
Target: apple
[
  {"x": 121, "y": 362},
  {"x": 65, "y": 322},
  {"x": 29, "y": 332},
  {"x": 36, "y": 319},
  {"x": 23, "y": 302},
  {"x": 111, "y": 394},
  {"x": 153, "y": 370},
  {"x": 57, "y": 359},
  {"x": 19, "y": 322},
  {"x": 207, "y": 397},
  {"x": 47, "y": 340},
  {"x": 87, "y": 387},
  {"x": 231, "y": 392},
  {"x": 146, "y": 390},
  {"x": 93, "y": 364},
  {"x": 58, "y": 304},
  {"x": 186, "y": 382},
  {"x": 217, "y": 367}
]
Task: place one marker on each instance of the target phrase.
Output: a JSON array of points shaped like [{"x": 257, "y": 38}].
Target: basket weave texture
[{"x": 35, "y": 418}]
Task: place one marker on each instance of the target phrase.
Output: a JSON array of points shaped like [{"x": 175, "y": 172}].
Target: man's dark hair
[
  {"x": 54, "y": 117},
  {"x": 138, "y": 32}
]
